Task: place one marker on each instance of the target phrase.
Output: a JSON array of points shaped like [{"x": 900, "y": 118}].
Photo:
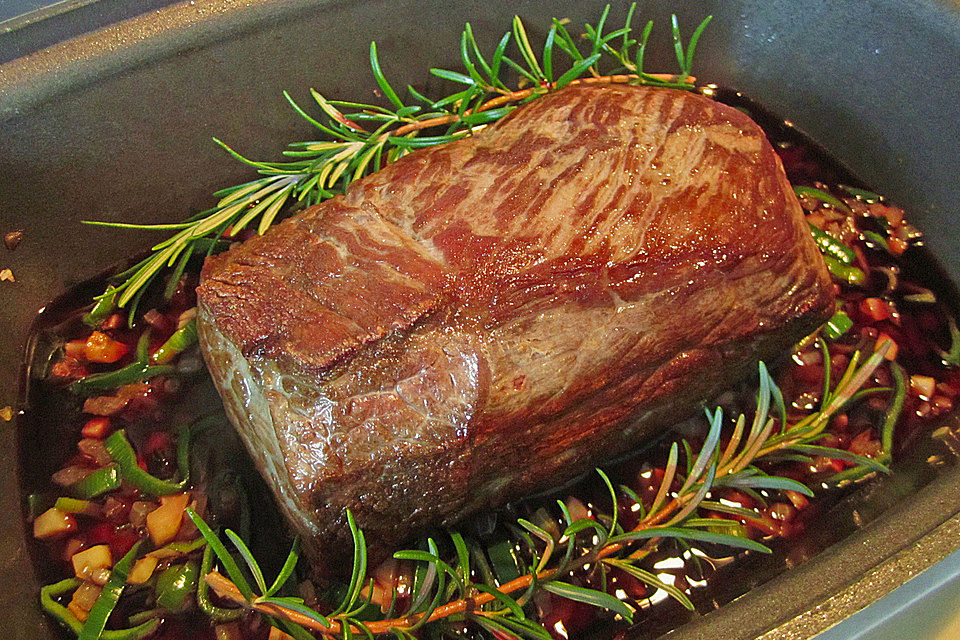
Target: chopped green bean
[
  {"x": 93, "y": 628},
  {"x": 837, "y": 325},
  {"x": 73, "y": 505},
  {"x": 136, "y": 372},
  {"x": 123, "y": 454},
  {"x": 98, "y": 482},
  {"x": 181, "y": 340},
  {"x": 143, "y": 347},
  {"x": 822, "y": 196},
  {"x": 105, "y": 305},
  {"x": 65, "y": 617},
  {"x": 876, "y": 239},
  {"x": 952, "y": 357},
  {"x": 215, "y": 613},
  {"x": 862, "y": 194},
  {"x": 830, "y": 246},
  {"x": 894, "y": 411},
  {"x": 845, "y": 273},
  {"x": 175, "y": 585}
]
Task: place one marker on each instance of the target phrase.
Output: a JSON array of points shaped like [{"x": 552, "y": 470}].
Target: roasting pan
[{"x": 107, "y": 110}]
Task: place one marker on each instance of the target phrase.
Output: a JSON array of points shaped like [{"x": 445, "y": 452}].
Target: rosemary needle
[{"x": 358, "y": 139}]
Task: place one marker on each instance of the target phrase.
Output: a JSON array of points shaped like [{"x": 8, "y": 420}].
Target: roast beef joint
[{"x": 489, "y": 318}]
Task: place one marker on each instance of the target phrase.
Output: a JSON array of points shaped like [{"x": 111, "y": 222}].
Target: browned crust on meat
[{"x": 486, "y": 318}]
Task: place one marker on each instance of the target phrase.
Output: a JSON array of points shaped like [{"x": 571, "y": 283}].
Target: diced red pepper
[
  {"x": 100, "y": 533},
  {"x": 123, "y": 540},
  {"x": 875, "y": 309},
  {"x": 102, "y": 348}
]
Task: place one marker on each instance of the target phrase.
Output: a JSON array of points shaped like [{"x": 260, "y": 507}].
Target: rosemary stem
[
  {"x": 227, "y": 590},
  {"x": 522, "y": 94}
]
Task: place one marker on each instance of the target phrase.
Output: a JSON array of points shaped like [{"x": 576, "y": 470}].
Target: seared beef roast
[{"x": 488, "y": 318}]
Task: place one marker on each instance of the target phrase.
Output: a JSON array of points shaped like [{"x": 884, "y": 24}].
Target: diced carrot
[
  {"x": 53, "y": 523},
  {"x": 142, "y": 570},
  {"x": 87, "y": 562},
  {"x": 875, "y": 309},
  {"x": 98, "y": 428},
  {"x": 102, "y": 348},
  {"x": 76, "y": 349},
  {"x": 892, "y": 350},
  {"x": 164, "y": 521}
]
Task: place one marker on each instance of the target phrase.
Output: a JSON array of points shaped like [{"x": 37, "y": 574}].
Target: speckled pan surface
[{"x": 116, "y": 124}]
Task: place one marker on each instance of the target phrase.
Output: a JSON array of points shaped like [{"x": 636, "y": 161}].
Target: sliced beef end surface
[{"x": 492, "y": 317}]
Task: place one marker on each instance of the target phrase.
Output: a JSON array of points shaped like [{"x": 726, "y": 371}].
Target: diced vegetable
[
  {"x": 120, "y": 450},
  {"x": 163, "y": 523},
  {"x": 97, "y": 428},
  {"x": 79, "y": 507},
  {"x": 142, "y": 570},
  {"x": 897, "y": 245},
  {"x": 181, "y": 340},
  {"x": 837, "y": 325},
  {"x": 102, "y": 348},
  {"x": 88, "y": 561},
  {"x": 95, "y": 450},
  {"x": 83, "y": 600},
  {"x": 822, "y": 196},
  {"x": 952, "y": 356},
  {"x": 53, "y": 523},
  {"x": 76, "y": 349},
  {"x": 875, "y": 309},
  {"x": 923, "y": 386},
  {"x": 845, "y": 273},
  {"x": 37, "y": 503},
  {"x": 136, "y": 372},
  {"x": 95, "y": 624},
  {"x": 102, "y": 309},
  {"x": 70, "y": 621},
  {"x": 139, "y": 511},
  {"x": 892, "y": 350},
  {"x": 215, "y": 613},
  {"x": 96, "y": 483},
  {"x": 831, "y": 246},
  {"x": 176, "y": 584}
]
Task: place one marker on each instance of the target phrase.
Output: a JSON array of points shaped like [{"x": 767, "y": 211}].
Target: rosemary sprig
[
  {"x": 358, "y": 139},
  {"x": 454, "y": 587}
]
